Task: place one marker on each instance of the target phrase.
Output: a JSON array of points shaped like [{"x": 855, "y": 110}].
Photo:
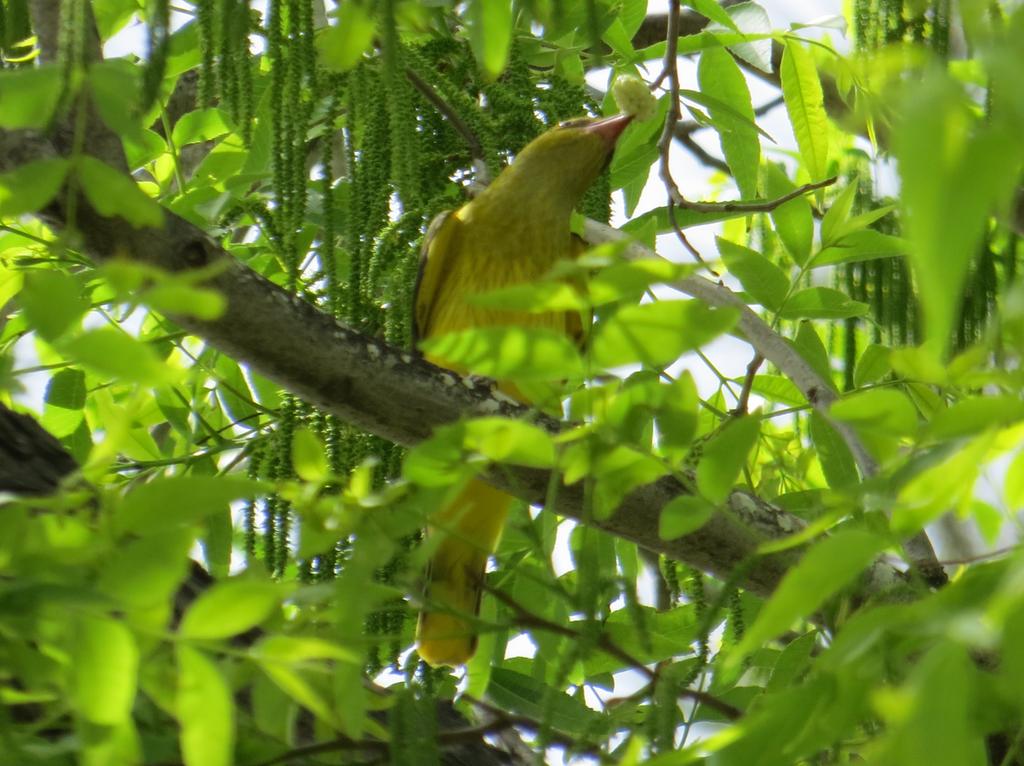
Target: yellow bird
[{"x": 512, "y": 233}]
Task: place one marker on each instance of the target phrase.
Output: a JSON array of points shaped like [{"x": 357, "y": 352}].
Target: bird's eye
[{"x": 577, "y": 123}]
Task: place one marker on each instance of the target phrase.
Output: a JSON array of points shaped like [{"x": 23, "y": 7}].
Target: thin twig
[
  {"x": 527, "y": 619},
  {"x": 476, "y": 149},
  {"x": 748, "y": 383},
  {"x": 671, "y": 72},
  {"x": 526, "y": 722},
  {"x": 698, "y": 151}
]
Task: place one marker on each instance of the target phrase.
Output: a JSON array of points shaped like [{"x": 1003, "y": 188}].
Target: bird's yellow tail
[{"x": 471, "y": 525}]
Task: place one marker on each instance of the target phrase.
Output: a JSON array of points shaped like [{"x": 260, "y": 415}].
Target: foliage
[{"x": 315, "y": 151}]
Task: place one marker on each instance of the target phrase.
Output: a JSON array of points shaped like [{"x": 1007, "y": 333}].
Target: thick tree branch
[{"x": 400, "y": 397}]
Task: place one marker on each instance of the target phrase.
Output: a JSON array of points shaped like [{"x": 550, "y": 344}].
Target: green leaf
[
  {"x": 821, "y": 303},
  {"x": 115, "y": 354},
  {"x": 683, "y": 515},
  {"x": 794, "y": 222},
  {"x": 105, "y": 670},
  {"x": 762, "y": 280},
  {"x": 112, "y": 15},
  {"x": 622, "y": 281},
  {"x": 618, "y": 471},
  {"x": 173, "y": 297},
  {"x": 873, "y": 365},
  {"x": 341, "y": 46},
  {"x": 801, "y": 90},
  {"x": 522, "y": 694},
  {"x": 719, "y": 74},
  {"x": 229, "y": 608},
  {"x": 825, "y": 569},
  {"x": 836, "y": 460},
  {"x": 490, "y": 34},
  {"x": 115, "y": 194},
  {"x": 865, "y": 245},
  {"x": 521, "y": 353},
  {"x": 810, "y": 347},
  {"x": 887, "y": 410},
  {"x": 146, "y": 572},
  {"x": 942, "y": 687},
  {"x": 533, "y": 297},
  {"x": 28, "y": 96},
  {"x": 954, "y": 172},
  {"x": 52, "y": 302},
  {"x": 777, "y": 388},
  {"x": 199, "y": 125},
  {"x": 66, "y": 389},
  {"x": 172, "y": 501},
  {"x": 205, "y": 709},
  {"x": 1013, "y": 487},
  {"x": 713, "y": 12},
  {"x": 510, "y": 441},
  {"x": 658, "y": 333},
  {"x": 974, "y": 415},
  {"x": 724, "y": 456},
  {"x": 297, "y": 649},
  {"x": 31, "y": 186},
  {"x": 646, "y": 634},
  {"x": 308, "y": 456},
  {"x": 837, "y": 215},
  {"x": 755, "y": 47}
]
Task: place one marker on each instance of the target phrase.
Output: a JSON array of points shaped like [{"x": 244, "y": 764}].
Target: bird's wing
[{"x": 436, "y": 256}]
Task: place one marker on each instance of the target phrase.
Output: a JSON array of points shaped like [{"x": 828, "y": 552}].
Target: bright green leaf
[
  {"x": 720, "y": 75},
  {"x": 521, "y": 353},
  {"x": 809, "y": 344},
  {"x": 52, "y": 302},
  {"x": 888, "y": 410},
  {"x": 116, "y": 194},
  {"x": 837, "y": 462},
  {"x": 658, "y": 333},
  {"x": 1014, "y": 483},
  {"x": 510, "y": 441},
  {"x": 105, "y": 670},
  {"x": 28, "y": 96},
  {"x": 794, "y": 222},
  {"x": 519, "y": 693},
  {"x": 205, "y": 710},
  {"x": 713, "y": 12},
  {"x": 954, "y": 172},
  {"x": 308, "y": 456},
  {"x": 31, "y": 186},
  {"x": 683, "y": 515},
  {"x": 864, "y": 245},
  {"x": 801, "y": 89},
  {"x": 172, "y": 501},
  {"x": 821, "y": 303},
  {"x": 145, "y": 572},
  {"x": 724, "y": 456},
  {"x": 342, "y": 45},
  {"x": 66, "y": 389},
  {"x": 762, "y": 280},
  {"x": 872, "y": 366},
  {"x": 490, "y": 34},
  {"x": 116, "y": 354},
  {"x": 229, "y": 608},
  {"x": 829, "y": 566},
  {"x": 838, "y": 215},
  {"x": 974, "y": 415},
  {"x": 199, "y": 125}
]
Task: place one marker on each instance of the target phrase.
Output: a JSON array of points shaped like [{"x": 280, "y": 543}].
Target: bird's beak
[{"x": 610, "y": 128}]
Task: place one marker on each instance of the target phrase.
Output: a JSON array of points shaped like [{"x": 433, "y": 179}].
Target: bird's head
[{"x": 561, "y": 163}]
